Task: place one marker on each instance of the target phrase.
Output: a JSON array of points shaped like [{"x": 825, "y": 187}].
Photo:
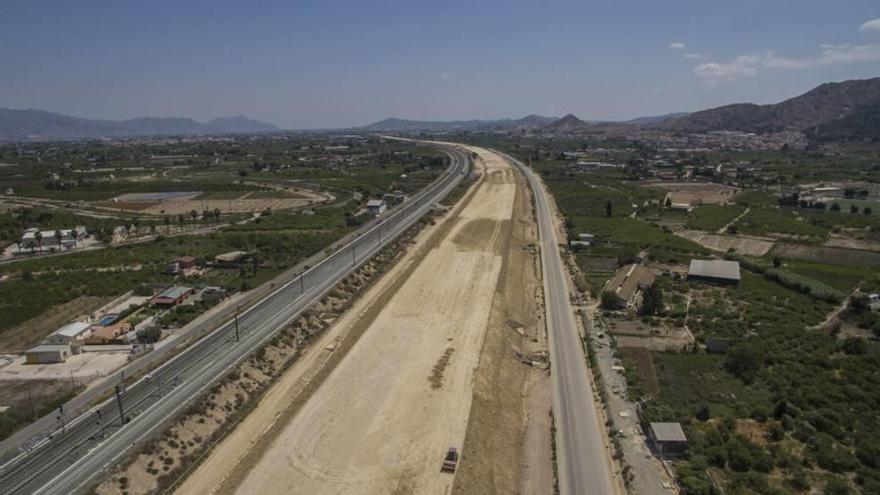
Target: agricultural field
[
  {"x": 174, "y": 188},
  {"x": 786, "y": 409},
  {"x": 713, "y": 217}
]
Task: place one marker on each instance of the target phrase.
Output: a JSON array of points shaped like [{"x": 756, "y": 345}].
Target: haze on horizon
[{"x": 339, "y": 64}]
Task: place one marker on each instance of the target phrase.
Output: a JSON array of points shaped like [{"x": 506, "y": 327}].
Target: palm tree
[
  {"x": 39, "y": 238},
  {"x": 58, "y": 237}
]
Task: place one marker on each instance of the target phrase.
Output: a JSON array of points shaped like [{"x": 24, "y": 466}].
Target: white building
[
  {"x": 47, "y": 354},
  {"x": 48, "y": 240},
  {"x": 376, "y": 206},
  {"x": 68, "y": 333}
]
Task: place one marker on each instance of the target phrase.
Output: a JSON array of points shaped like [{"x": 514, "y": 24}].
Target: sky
[{"x": 328, "y": 64}]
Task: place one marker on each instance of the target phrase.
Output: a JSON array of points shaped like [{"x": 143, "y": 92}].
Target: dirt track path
[{"x": 383, "y": 419}]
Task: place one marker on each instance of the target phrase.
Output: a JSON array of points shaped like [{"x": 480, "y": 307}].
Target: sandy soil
[
  {"x": 752, "y": 246},
  {"x": 383, "y": 419},
  {"x": 507, "y": 445},
  {"x": 83, "y": 367},
  {"x": 176, "y": 207}
]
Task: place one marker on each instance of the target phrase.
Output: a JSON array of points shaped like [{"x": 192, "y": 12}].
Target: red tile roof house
[{"x": 172, "y": 296}]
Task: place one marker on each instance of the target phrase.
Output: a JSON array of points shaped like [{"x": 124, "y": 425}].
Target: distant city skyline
[{"x": 302, "y": 65}]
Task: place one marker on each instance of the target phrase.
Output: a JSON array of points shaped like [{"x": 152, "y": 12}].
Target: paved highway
[
  {"x": 583, "y": 463},
  {"x": 76, "y": 457}
]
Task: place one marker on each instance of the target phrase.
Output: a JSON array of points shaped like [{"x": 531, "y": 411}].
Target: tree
[
  {"x": 609, "y": 300},
  {"x": 777, "y": 262},
  {"x": 242, "y": 173},
  {"x": 149, "y": 335},
  {"x": 867, "y": 210},
  {"x": 38, "y": 236},
  {"x": 608, "y": 209},
  {"x": 704, "y": 414},
  {"x": 853, "y": 209},
  {"x": 194, "y": 214},
  {"x": 652, "y": 301},
  {"x": 167, "y": 220},
  {"x": 835, "y": 207},
  {"x": 744, "y": 362},
  {"x": 854, "y": 346},
  {"x": 217, "y": 213},
  {"x": 58, "y": 237}
]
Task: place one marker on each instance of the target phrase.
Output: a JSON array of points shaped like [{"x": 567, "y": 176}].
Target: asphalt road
[
  {"x": 73, "y": 459},
  {"x": 583, "y": 462}
]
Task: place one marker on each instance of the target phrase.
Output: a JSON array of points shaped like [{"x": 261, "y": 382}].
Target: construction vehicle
[{"x": 450, "y": 461}]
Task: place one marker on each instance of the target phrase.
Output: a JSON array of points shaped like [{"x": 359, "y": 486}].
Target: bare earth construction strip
[{"x": 376, "y": 425}]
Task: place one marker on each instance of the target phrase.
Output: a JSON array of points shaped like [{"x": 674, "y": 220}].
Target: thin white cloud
[
  {"x": 713, "y": 72},
  {"x": 872, "y": 25},
  {"x": 748, "y": 65},
  {"x": 694, "y": 56},
  {"x": 676, "y": 45},
  {"x": 445, "y": 77}
]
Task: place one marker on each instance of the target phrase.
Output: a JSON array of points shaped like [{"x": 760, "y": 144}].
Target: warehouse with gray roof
[{"x": 717, "y": 271}]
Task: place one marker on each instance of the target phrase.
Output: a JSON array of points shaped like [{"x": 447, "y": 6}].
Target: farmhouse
[
  {"x": 172, "y": 296},
  {"x": 376, "y": 206},
  {"x": 717, "y": 271},
  {"x": 47, "y": 354},
  {"x": 112, "y": 334},
  {"x": 667, "y": 439},
  {"x": 230, "y": 257},
  {"x": 629, "y": 281},
  {"x": 67, "y": 333}
]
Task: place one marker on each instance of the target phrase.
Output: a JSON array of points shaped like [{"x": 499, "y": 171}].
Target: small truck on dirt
[{"x": 450, "y": 461}]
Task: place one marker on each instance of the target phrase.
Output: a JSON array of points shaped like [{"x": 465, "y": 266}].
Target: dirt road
[{"x": 383, "y": 419}]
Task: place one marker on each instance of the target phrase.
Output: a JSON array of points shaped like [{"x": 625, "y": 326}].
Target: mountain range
[
  {"x": 564, "y": 124},
  {"x": 38, "y": 124},
  {"x": 840, "y": 111},
  {"x": 845, "y": 108},
  {"x": 395, "y": 124}
]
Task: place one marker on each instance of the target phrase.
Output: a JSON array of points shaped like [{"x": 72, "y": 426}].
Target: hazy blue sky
[{"x": 337, "y": 63}]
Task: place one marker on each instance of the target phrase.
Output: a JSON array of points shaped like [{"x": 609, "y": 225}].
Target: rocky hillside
[
  {"x": 817, "y": 107},
  {"x": 569, "y": 123}
]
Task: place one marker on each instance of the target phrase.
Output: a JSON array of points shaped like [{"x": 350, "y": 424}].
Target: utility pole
[
  {"x": 119, "y": 403},
  {"x": 236, "y": 325},
  {"x": 61, "y": 417},
  {"x": 302, "y": 283}
]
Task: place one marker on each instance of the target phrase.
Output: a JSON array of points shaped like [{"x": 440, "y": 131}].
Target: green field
[{"x": 713, "y": 217}]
